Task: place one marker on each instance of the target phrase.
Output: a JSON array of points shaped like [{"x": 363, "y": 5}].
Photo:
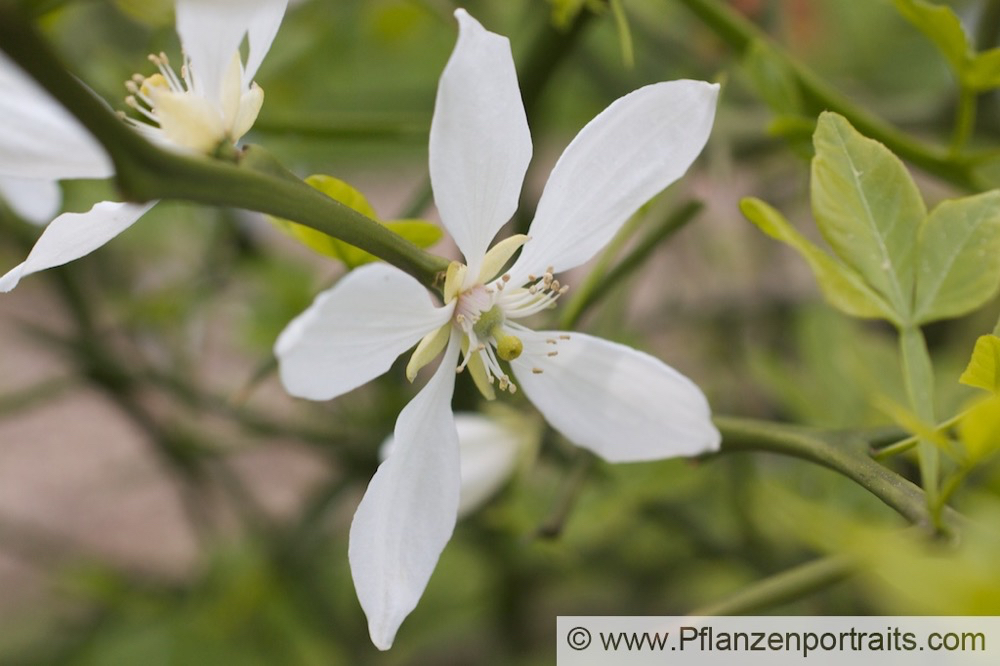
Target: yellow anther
[{"x": 153, "y": 82}]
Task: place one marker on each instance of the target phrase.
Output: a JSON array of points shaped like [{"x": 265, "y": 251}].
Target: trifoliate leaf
[
  {"x": 983, "y": 370},
  {"x": 843, "y": 287},
  {"x": 958, "y": 267},
  {"x": 868, "y": 209}
]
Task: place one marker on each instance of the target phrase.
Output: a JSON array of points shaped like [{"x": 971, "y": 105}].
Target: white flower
[
  {"x": 620, "y": 403},
  {"x": 212, "y": 102}
]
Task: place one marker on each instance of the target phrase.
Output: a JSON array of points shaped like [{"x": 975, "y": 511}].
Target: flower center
[
  {"x": 484, "y": 314},
  {"x": 177, "y": 113}
]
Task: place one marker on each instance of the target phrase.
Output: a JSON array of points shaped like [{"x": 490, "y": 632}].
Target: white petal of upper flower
[
  {"x": 479, "y": 141},
  {"x": 73, "y": 235},
  {"x": 36, "y": 200},
  {"x": 489, "y": 454},
  {"x": 620, "y": 403},
  {"x": 354, "y": 331},
  {"x": 263, "y": 26},
  {"x": 409, "y": 510},
  {"x": 38, "y": 137},
  {"x": 631, "y": 151},
  {"x": 211, "y": 31}
]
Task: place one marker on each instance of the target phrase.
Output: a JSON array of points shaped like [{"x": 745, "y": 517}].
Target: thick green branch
[
  {"x": 783, "y": 587},
  {"x": 740, "y": 34},
  {"x": 900, "y": 494},
  {"x": 145, "y": 172}
]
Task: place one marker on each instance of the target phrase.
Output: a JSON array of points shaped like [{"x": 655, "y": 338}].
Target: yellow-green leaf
[
  {"x": 979, "y": 429},
  {"x": 984, "y": 72},
  {"x": 420, "y": 233},
  {"x": 983, "y": 370},
  {"x": 340, "y": 191},
  {"x": 842, "y": 287},
  {"x": 868, "y": 209}
]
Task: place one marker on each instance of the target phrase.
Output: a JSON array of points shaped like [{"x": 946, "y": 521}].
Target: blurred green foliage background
[{"x": 171, "y": 326}]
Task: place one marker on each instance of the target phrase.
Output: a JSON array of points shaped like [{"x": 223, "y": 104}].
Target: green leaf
[
  {"x": 420, "y": 233},
  {"x": 958, "y": 267},
  {"x": 979, "y": 429},
  {"x": 940, "y": 24},
  {"x": 842, "y": 287},
  {"x": 868, "y": 209},
  {"x": 983, "y": 370}
]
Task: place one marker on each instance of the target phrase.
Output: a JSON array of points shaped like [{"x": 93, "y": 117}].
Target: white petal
[
  {"x": 409, "y": 510},
  {"x": 40, "y": 139},
  {"x": 211, "y": 31},
  {"x": 632, "y": 150},
  {"x": 263, "y": 27},
  {"x": 479, "y": 143},
  {"x": 620, "y": 403},
  {"x": 489, "y": 453},
  {"x": 36, "y": 200},
  {"x": 73, "y": 235},
  {"x": 353, "y": 332}
]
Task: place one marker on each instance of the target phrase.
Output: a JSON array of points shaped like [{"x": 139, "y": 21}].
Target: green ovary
[{"x": 490, "y": 325}]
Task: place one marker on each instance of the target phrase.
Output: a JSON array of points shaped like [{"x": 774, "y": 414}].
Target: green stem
[
  {"x": 965, "y": 120},
  {"x": 599, "y": 283},
  {"x": 908, "y": 443},
  {"x": 783, "y": 587},
  {"x": 745, "y": 435},
  {"x": 568, "y": 496},
  {"x": 144, "y": 172},
  {"x": 918, "y": 375},
  {"x": 739, "y": 33}
]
